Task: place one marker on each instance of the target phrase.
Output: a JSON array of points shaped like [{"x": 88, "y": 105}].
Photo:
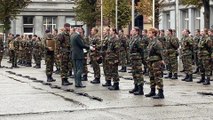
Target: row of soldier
[{"x": 155, "y": 50}]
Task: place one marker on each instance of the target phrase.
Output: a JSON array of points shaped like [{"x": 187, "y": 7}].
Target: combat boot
[
  {"x": 190, "y": 79},
  {"x": 186, "y": 77},
  {"x": 202, "y": 80},
  {"x": 84, "y": 78},
  {"x": 134, "y": 89},
  {"x": 139, "y": 91},
  {"x": 169, "y": 75},
  {"x": 145, "y": 70},
  {"x": 175, "y": 76},
  {"x": 207, "y": 81},
  {"x": 95, "y": 81},
  {"x": 115, "y": 86},
  {"x": 70, "y": 74},
  {"x": 65, "y": 82},
  {"x": 107, "y": 84},
  {"x": 57, "y": 71},
  {"x": 123, "y": 69},
  {"x": 50, "y": 79},
  {"x": 152, "y": 93},
  {"x": 160, "y": 95}
]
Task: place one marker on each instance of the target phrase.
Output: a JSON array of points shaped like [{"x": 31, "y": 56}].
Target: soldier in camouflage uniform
[
  {"x": 64, "y": 39},
  {"x": 186, "y": 52},
  {"x": 1, "y": 49},
  {"x": 49, "y": 56},
  {"x": 95, "y": 55},
  {"x": 136, "y": 55},
  {"x": 37, "y": 52},
  {"x": 145, "y": 41},
  {"x": 171, "y": 47},
  {"x": 9, "y": 39},
  {"x": 123, "y": 51},
  {"x": 57, "y": 54},
  {"x": 106, "y": 37},
  {"x": 155, "y": 61},
  {"x": 112, "y": 59},
  {"x": 195, "y": 50},
  {"x": 28, "y": 51},
  {"x": 14, "y": 48},
  {"x": 21, "y": 51},
  {"x": 204, "y": 55}
]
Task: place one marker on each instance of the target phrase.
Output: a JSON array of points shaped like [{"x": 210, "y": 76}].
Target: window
[
  {"x": 28, "y": 22},
  {"x": 185, "y": 19},
  {"x": 197, "y": 19},
  {"x": 71, "y": 20},
  {"x": 49, "y": 23},
  {"x": 1, "y": 28},
  {"x": 167, "y": 15}
]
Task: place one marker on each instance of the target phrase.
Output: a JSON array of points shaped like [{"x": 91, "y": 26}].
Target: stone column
[
  {"x": 61, "y": 21},
  {"x": 38, "y": 26},
  {"x": 19, "y": 25},
  {"x": 191, "y": 20}
]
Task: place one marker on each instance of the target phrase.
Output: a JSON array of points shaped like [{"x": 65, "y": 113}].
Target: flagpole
[{"x": 133, "y": 13}]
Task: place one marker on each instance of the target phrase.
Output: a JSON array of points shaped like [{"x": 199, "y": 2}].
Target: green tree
[
  {"x": 9, "y": 10},
  {"x": 199, "y": 4},
  {"x": 87, "y": 11},
  {"x": 124, "y": 12}
]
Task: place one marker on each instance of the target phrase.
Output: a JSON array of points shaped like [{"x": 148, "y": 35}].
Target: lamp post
[
  {"x": 116, "y": 14},
  {"x": 101, "y": 19},
  {"x": 176, "y": 17},
  {"x": 153, "y": 13},
  {"x": 133, "y": 13}
]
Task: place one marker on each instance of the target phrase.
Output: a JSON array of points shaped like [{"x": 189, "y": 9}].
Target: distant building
[
  {"x": 44, "y": 14},
  {"x": 189, "y": 17}
]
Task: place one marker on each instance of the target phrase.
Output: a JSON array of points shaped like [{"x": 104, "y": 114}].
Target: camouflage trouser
[
  {"x": 105, "y": 67},
  {"x": 187, "y": 64},
  {"x": 28, "y": 57},
  {"x": 155, "y": 69},
  {"x": 1, "y": 56},
  {"x": 20, "y": 55},
  {"x": 137, "y": 73},
  {"x": 70, "y": 64},
  {"x": 206, "y": 65},
  {"x": 123, "y": 58},
  {"x": 112, "y": 70},
  {"x": 64, "y": 64},
  {"x": 14, "y": 56},
  {"x": 49, "y": 63},
  {"x": 57, "y": 62},
  {"x": 96, "y": 67},
  {"x": 173, "y": 63},
  {"x": 85, "y": 69},
  {"x": 37, "y": 57}
]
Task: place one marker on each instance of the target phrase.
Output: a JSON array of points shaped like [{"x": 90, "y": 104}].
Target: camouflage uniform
[
  {"x": 65, "y": 48},
  {"x": 95, "y": 55},
  {"x": 123, "y": 53},
  {"x": 171, "y": 47},
  {"x": 155, "y": 57},
  {"x": 186, "y": 52},
  {"x": 204, "y": 55},
  {"x": 57, "y": 53},
  {"x": 9, "y": 51},
  {"x": 28, "y": 52},
  {"x": 37, "y": 52},
  {"x": 14, "y": 51},
  {"x": 85, "y": 69},
  {"x": 136, "y": 55},
  {"x": 195, "y": 51},
  {"x": 145, "y": 41},
  {"x": 1, "y": 50},
  {"x": 112, "y": 59},
  {"x": 21, "y": 52}
]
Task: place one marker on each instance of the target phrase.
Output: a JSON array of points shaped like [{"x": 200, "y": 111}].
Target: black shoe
[
  {"x": 123, "y": 69},
  {"x": 80, "y": 86},
  {"x": 175, "y": 76},
  {"x": 115, "y": 86},
  {"x": 84, "y": 78},
  {"x": 95, "y": 81},
  {"x": 196, "y": 71},
  {"x": 207, "y": 81},
  {"x": 107, "y": 84},
  {"x": 190, "y": 79},
  {"x": 65, "y": 82},
  {"x": 182, "y": 70},
  {"x": 152, "y": 93},
  {"x": 160, "y": 95},
  {"x": 50, "y": 79},
  {"x": 57, "y": 71},
  {"x": 139, "y": 91},
  {"x": 186, "y": 77},
  {"x": 169, "y": 75},
  {"x": 202, "y": 80},
  {"x": 16, "y": 66},
  {"x": 134, "y": 89}
]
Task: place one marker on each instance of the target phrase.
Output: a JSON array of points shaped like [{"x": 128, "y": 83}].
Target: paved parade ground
[{"x": 25, "y": 95}]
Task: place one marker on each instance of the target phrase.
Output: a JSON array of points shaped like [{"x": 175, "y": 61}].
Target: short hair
[
  {"x": 47, "y": 31},
  {"x": 197, "y": 30},
  {"x": 145, "y": 30},
  {"x": 114, "y": 30},
  {"x": 162, "y": 30},
  {"x": 95, "y": 29},
  {"x": 56, "y": 30},
  {"x": 66, "y": 25},
  {"x": 187, "y": 30},
  {"x": 137, "y": 29},
  {"x": 154, "y": 31},
  {"x": 170, "y": 30},
  {"x": 35, "y": 36}
]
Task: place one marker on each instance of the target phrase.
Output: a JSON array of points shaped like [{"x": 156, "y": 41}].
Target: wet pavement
[{"x": 25, "y": 95}]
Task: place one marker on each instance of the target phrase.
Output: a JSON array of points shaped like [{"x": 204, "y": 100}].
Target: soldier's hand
[
  {"x": 92, "y": 48},
  {"x": 163, "y": 62}
]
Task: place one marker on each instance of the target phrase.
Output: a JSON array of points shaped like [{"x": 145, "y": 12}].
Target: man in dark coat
[{"x": 78, "y": 56}]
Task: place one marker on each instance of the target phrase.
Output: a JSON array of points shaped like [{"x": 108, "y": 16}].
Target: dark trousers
[{"x": 78, "y": 69}]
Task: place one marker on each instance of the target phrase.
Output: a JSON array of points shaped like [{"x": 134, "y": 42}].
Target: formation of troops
[{"x": 147, "y": 52}]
